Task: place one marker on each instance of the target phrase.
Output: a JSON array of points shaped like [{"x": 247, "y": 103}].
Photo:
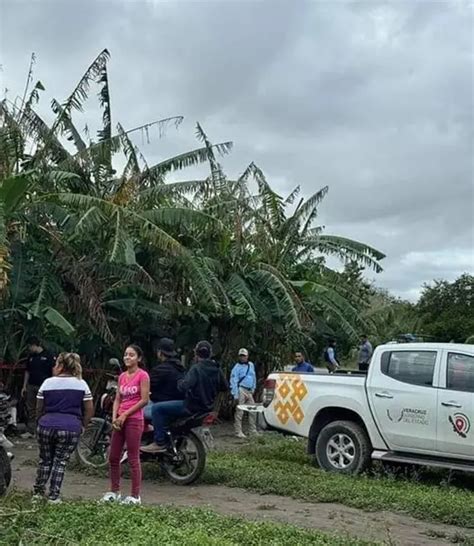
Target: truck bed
[{"x": 292, "y": 409}]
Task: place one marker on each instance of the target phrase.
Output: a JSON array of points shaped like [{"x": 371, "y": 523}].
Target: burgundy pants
[{"x": 130, "y": 435}]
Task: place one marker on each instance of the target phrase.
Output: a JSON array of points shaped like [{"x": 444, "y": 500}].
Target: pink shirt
[{"x": 130, "y": 392}]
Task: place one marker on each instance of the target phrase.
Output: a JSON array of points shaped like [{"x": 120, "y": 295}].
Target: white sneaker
[
  {"x": 55, "y": 501},
  {"x": 132, "y": 500},
  {"x": 111, "y": 497},
  {"x": 241, "y": 435},
  {"x": 36, "y": 498}
]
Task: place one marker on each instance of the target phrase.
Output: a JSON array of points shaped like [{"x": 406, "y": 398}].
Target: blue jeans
[
  {"x": 147, "y": 410},
  {"x": 164, "y": 412}
]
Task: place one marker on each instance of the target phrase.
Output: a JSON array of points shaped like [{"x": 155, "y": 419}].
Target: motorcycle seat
[{"x": 191, "y": 421}]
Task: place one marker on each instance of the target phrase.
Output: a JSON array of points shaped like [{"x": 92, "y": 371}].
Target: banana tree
[{"x": 124, "y": 250}]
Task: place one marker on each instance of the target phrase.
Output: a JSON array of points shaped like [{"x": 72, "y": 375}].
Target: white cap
[{"x": 243, "y": 352}]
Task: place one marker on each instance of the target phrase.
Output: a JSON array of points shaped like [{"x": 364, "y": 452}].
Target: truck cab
[{"x": 422, "y": 398}]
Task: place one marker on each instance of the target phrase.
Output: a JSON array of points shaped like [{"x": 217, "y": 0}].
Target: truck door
[
  {"x": 456, "y": 405},
  {"x": 403, "y": 399}
]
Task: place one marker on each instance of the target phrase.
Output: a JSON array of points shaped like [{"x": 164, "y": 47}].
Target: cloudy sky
[{"x": 374, "y": 99}]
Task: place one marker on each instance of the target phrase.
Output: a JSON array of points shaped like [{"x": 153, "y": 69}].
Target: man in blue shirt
[
  {"x": 301, "y": 366},
  {"x": 243, "y": 383}
]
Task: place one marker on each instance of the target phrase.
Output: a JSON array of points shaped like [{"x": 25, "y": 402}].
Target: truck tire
[{"x": 344, "y": 447}]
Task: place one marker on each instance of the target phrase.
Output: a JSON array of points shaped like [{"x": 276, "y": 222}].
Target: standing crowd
[{"x": 60, "y": 405}]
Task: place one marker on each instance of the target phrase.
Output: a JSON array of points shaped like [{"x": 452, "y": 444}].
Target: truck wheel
[{"x": 344, "y": 447}]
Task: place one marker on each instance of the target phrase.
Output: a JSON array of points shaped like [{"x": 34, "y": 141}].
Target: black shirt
[
  {"x": 201, "y": 386},
  {"x": 164, "y": 381},
  {"x": 40, "y": 367}
]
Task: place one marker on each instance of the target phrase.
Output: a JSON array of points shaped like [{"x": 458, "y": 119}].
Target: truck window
[
  {"x": 460, "y": 372},
  {"x": 413, "y": 367}
]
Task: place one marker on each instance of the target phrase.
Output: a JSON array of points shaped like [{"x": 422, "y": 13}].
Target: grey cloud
[{"x": 372, "y": 98}]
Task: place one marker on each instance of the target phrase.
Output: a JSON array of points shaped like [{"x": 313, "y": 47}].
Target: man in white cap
[{"x": 243, "y": 383}]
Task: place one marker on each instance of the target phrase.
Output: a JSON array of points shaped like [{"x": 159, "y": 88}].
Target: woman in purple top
[{"x": 64, "y": 404}]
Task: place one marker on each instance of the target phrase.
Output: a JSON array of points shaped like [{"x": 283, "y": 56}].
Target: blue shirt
[
  {"x": 303, "y": 367},
  {"x": 242, "y": 375}
]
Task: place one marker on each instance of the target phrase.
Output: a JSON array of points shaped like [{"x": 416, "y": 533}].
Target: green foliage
[
  {"x": 447, "y": 309},
  {"x": 90, "y": 253},
  {"x": 388, "y": 317},
  {"x": 87, "y": 252},
  {"x": 444, "y": 313},
  {"x": 87, "y": 523},
  {"x": 280, "y": 466}
]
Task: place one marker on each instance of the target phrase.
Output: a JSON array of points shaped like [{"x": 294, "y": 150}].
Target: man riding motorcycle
[
  {"x": 200, "y": 387},
  {"x": 164, "y": 376}
]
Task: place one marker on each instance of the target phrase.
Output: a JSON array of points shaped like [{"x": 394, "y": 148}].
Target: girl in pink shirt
[{"x": 127, "y": 423}]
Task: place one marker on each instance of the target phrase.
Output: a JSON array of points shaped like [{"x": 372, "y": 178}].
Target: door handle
[
  {"x": 451, "y": 404},
  {"x": 383, "y": 395}
]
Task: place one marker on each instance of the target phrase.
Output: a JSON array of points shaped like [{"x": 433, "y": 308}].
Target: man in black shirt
[
  {"x": 165, "y": 375},
  {"x": 39, "y": 367}
]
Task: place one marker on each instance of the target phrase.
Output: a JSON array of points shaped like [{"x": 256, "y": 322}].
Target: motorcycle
[
  {"x": 5, "y": 445},
  {"x": 183, "y": 462}
]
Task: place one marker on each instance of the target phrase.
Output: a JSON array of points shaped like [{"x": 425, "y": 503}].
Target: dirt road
[{"x": 381, "y": 526}]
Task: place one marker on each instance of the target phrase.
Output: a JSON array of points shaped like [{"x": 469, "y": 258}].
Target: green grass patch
[
  {"x": 280, "y": 466},
  {"x": 88, "y": 523}
]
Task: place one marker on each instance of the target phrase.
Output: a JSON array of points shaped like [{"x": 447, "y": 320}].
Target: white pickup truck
[{"x": 414, "y": 405}]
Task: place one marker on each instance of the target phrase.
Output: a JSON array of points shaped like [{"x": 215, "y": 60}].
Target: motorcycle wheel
[
  {"x": 192, "y": 455},
  {"x": 93, "y": 447},
  {"x": 5, "y": 471}
]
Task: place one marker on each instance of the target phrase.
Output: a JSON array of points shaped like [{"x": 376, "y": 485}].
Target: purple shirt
[{"x": 63, "y": 399}]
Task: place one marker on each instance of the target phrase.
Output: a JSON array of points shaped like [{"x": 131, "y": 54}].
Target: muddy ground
[{"x": 391, "y": 528}]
